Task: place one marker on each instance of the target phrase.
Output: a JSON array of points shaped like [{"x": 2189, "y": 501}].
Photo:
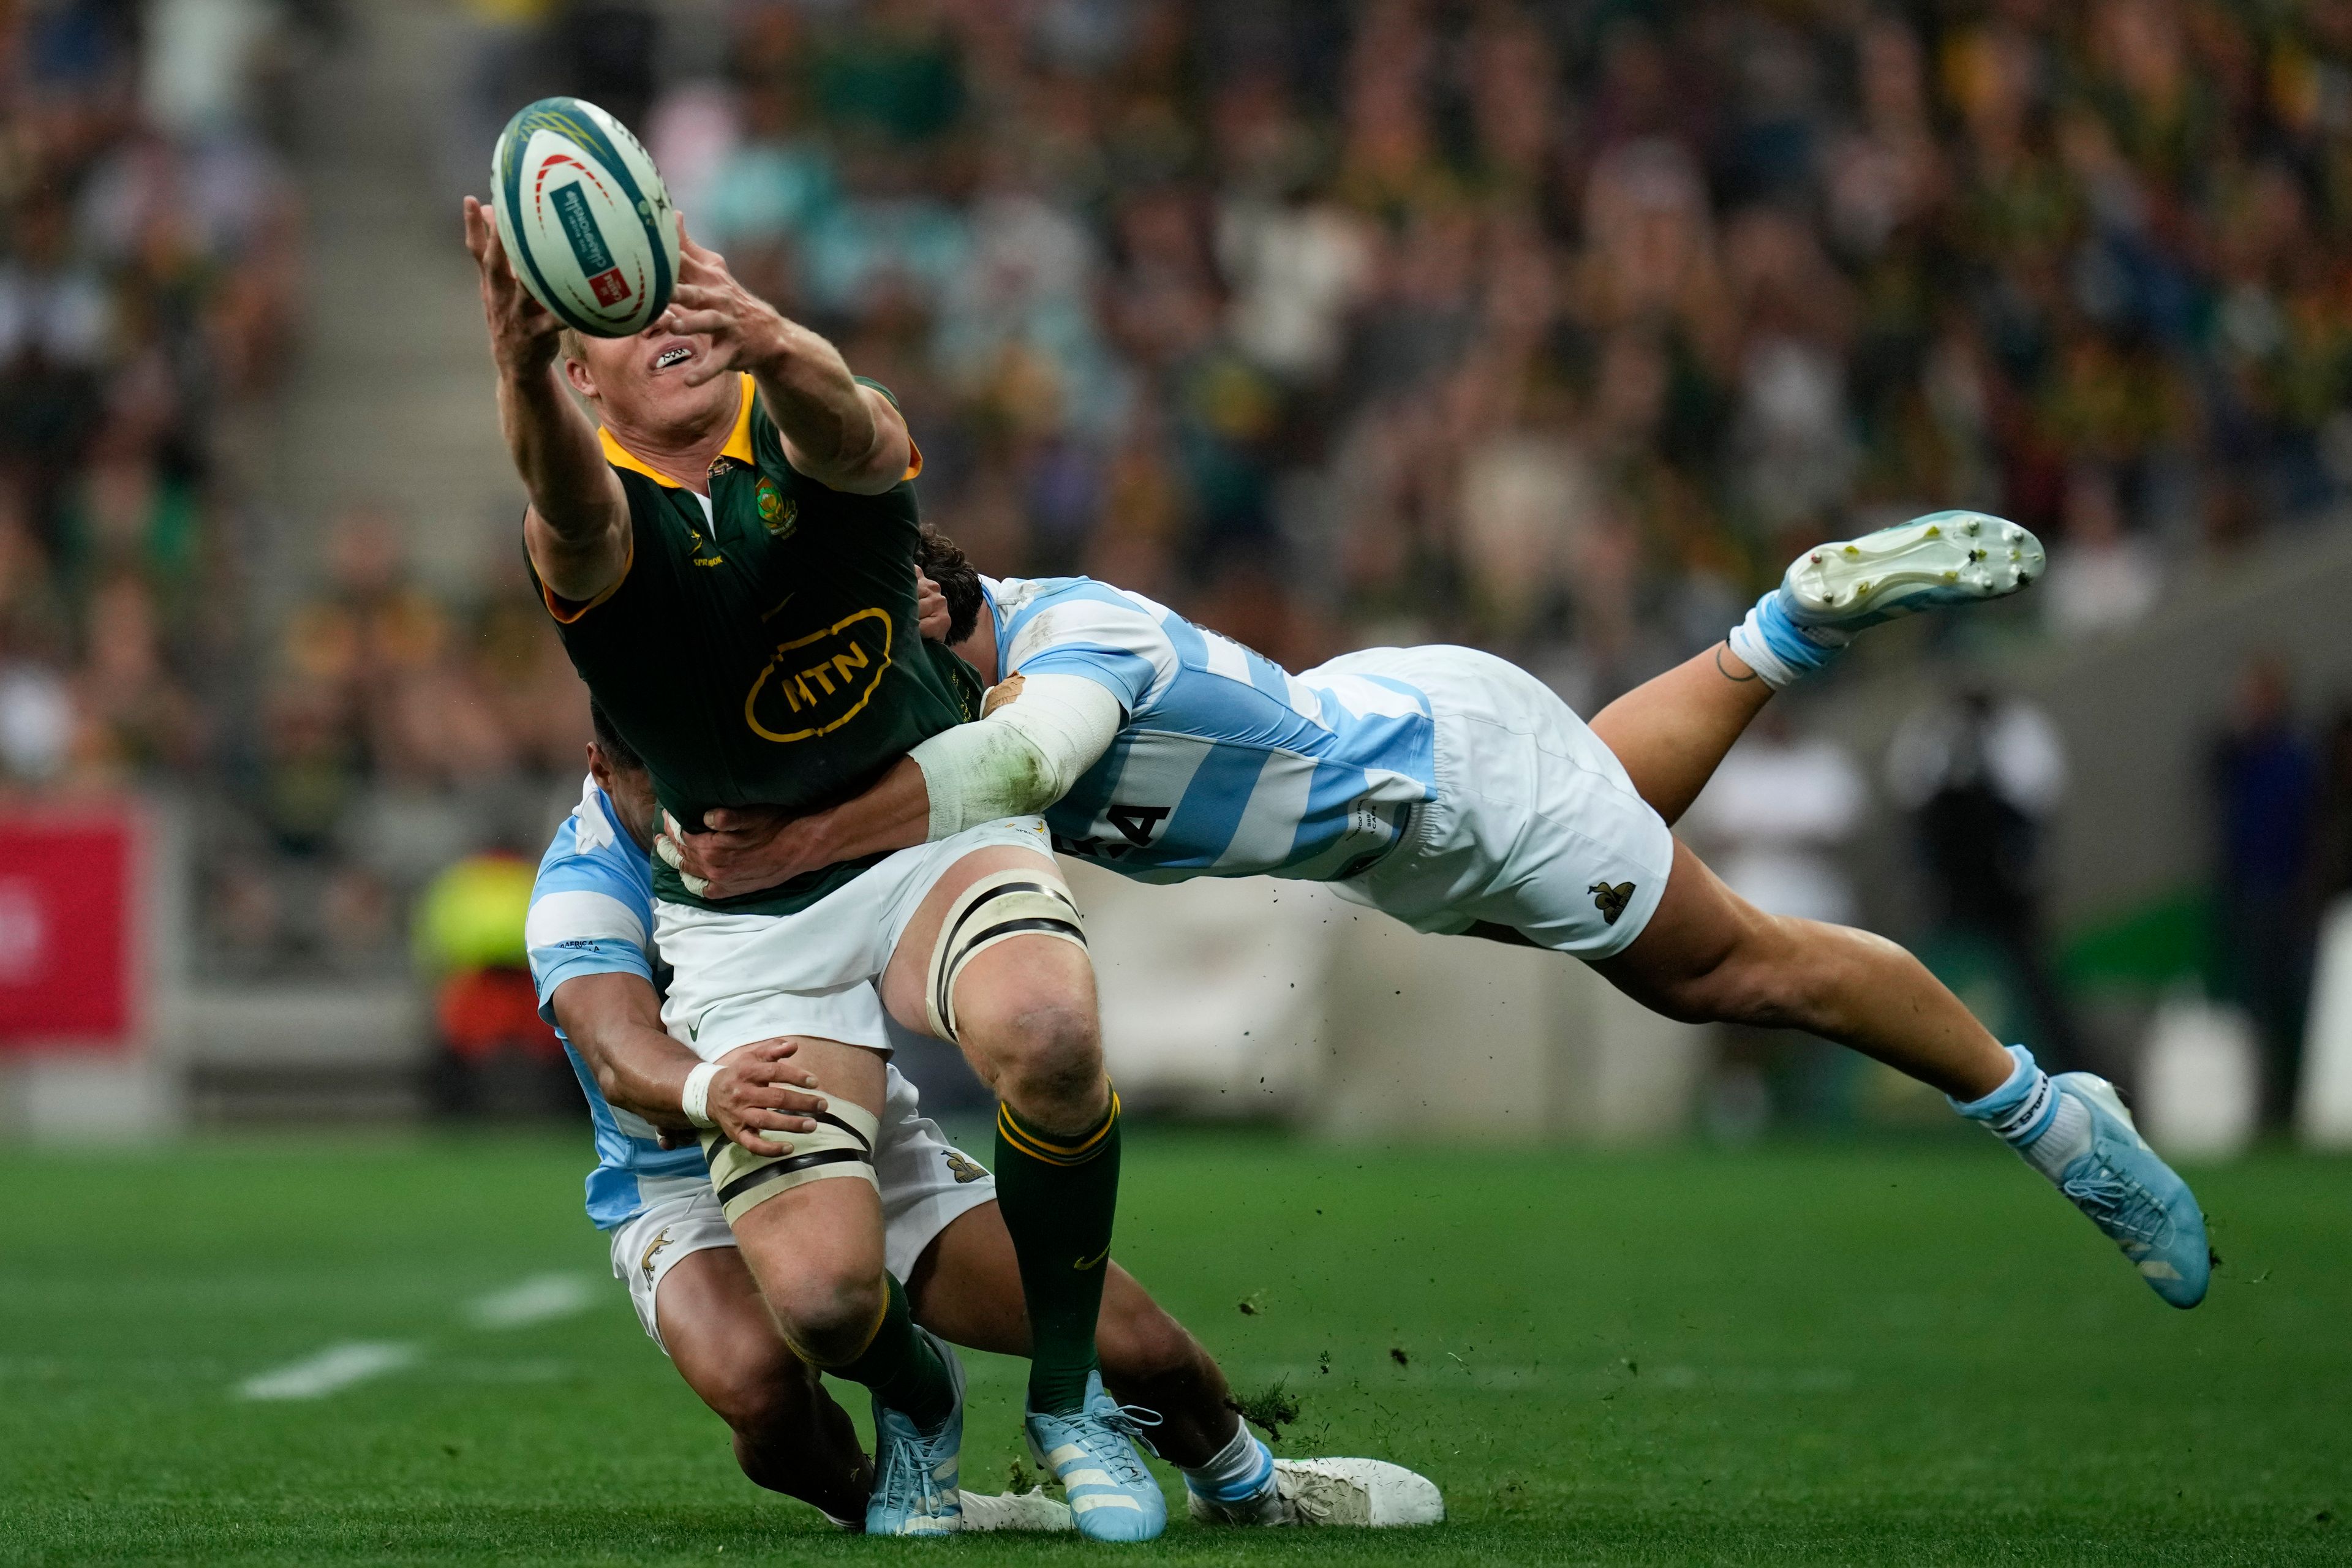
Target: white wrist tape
[
  {"x": 1023, "y": 757},
  {"x": 694, "y": 1099}
]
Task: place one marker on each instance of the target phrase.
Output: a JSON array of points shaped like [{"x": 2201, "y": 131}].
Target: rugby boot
[
  {"x": 1032, "y": 1509},
  {"x": 1362, "y": 1492},
  {"x": 915, "y": 1467},
  {"x": 1091, "y": 1452},
  {"x": 2103, "y": 1165},
  {"x": 1943, "y": 560}
]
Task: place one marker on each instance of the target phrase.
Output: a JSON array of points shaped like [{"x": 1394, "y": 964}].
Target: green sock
[
  {"x": 1058, "y": 1195},
  {"x": 900, "y": 1366}
]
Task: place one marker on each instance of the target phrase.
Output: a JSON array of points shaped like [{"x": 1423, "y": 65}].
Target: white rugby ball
[{"x": 584, "y": 217}]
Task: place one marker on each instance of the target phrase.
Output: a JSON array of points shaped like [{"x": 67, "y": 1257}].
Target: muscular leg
[
  {"x": 790, "y": 1435},
  {"x": 1671, "y": 732},
  {"x": 1025, "y": 1014},
  {"x": 815, "y": 1252},
  {"x": 1708, "y": 956},
  {"x": 967, "y": 1289}
]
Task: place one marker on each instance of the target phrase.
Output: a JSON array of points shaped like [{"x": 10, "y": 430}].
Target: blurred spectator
[
  {"x": 2101, "y": 578},
  {"x": 2265, "y": 787},
  {"x": 496, "y": 1054},
  {"x": 2331, "y": 851},
  {"x": 1982, "y": 776}
]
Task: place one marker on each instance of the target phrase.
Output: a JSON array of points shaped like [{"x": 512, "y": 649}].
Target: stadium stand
[{"x": 1551, "y": 327}]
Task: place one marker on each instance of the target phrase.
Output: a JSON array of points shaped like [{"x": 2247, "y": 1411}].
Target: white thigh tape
[
  {"x": 997, "y": 907},
  {"x": 842, "y": 1145}
]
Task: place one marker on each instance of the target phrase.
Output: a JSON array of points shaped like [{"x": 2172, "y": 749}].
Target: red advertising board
[{"x": 72, "y": 962}]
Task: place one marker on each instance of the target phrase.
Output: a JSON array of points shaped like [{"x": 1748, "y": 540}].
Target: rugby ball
[{"x": 584, "y": 217}]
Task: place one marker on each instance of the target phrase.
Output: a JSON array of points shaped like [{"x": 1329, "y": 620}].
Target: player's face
[
  {"x": 640, "y": 383},
  {"x": 631, "y": 791}
]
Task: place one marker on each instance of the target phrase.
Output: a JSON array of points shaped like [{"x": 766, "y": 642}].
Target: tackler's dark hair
[
  {"x": 958, "y": 579},
  {"x": 617, "y": 751}
]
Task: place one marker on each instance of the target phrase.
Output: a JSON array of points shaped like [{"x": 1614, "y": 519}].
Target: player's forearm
[
  {"x": 896, "y": 814},
  {"x": 643, "y": 1070},
  {"x": 1041, "y": 734},
  {"x": 835, "y": 430},
  {"x": 555, "y": 450},
  {"x": 617, "y": 1032}
]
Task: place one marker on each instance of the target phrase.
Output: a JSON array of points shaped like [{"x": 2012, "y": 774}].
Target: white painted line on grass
[
  {"x": 532, "y": 1301},
  {"x": 337, "y": 1366}
]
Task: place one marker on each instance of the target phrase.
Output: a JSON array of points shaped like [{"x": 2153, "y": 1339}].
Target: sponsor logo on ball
[{"x": 570, "y": 204}]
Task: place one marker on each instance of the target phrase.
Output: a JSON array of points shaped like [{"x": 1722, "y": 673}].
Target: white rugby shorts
[
  {"x": 744, "y": 978},
  {"x": 1535, "y": 824},
  {"x": 926, "y": 1184}
]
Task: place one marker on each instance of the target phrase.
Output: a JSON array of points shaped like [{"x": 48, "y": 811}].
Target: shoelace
[
  {"x": 901, "y": 1466},
  {"x": 1130, "y": 1422},
  {"x": 2118, "y": 1204}
]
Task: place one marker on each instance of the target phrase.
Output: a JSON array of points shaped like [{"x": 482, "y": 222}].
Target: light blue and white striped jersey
[
  {"x": 592, "y": 912},
  {"x": 1228, "y": 765}
]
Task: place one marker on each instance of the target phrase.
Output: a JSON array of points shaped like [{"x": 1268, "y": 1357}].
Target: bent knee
[
  {"x": 827, "y": 1316},
  {"x": 1044, "y": 1047},
  {"x": 764, "y": 1393}
]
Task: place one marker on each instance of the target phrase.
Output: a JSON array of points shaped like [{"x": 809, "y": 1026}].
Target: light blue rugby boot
[
  {"x": 1941, "y": 560},
  {"x": 2073, "y": 1128},
  {"x": 915, "y": 1469},
  {"x": 1092, "y": 1453}
]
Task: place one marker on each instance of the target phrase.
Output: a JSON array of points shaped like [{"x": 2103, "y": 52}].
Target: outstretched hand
[
  {"x": 745, "y": 330},
  {"x": 523, "y": 330}
]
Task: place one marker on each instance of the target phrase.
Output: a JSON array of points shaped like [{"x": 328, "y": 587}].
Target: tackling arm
[
  {"x": 1038, "y": 735},
  {"x": 614, "y": 1021}
]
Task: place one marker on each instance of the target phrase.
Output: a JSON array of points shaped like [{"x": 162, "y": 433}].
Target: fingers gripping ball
[{"x": 584, "y": 217}]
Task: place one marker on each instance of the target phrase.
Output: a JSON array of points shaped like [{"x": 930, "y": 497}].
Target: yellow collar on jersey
[{"x": 739, "y": 444}]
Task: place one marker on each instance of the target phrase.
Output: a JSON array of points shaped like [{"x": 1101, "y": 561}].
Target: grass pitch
[{"x": 1874, "y": 1353}]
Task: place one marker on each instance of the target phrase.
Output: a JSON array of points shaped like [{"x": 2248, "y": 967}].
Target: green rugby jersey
[{"x": 764, "y": 653}]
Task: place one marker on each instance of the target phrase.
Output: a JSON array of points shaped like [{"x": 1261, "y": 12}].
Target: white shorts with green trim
[
  {"x": 926, "y": 1184},
  {"x": 1535, "y": 826},
  {"x": 742, "y": 977}
]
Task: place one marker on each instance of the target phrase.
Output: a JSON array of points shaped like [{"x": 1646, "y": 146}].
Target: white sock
[
  {"x": 1241, "y": 1469},
  {"x": 2027, "y": 1112},
  {"x": 2067, "y": 1137}
]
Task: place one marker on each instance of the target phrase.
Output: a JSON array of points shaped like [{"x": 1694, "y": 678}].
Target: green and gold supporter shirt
[{"x": 762, "y": 650}]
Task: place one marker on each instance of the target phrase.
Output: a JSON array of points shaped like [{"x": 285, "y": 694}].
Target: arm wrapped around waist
[{"x": 1040, "y": 733}]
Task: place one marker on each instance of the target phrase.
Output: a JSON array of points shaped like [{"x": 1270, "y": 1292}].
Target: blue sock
[
  {"x": 1777, "y": 649},
  {"x": 2020, "y": 1109}
]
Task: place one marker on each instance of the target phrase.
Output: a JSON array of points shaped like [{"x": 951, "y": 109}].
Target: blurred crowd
[
  {"x": 146, "y": 268},
  {"x": 1556, "y": 326}
]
